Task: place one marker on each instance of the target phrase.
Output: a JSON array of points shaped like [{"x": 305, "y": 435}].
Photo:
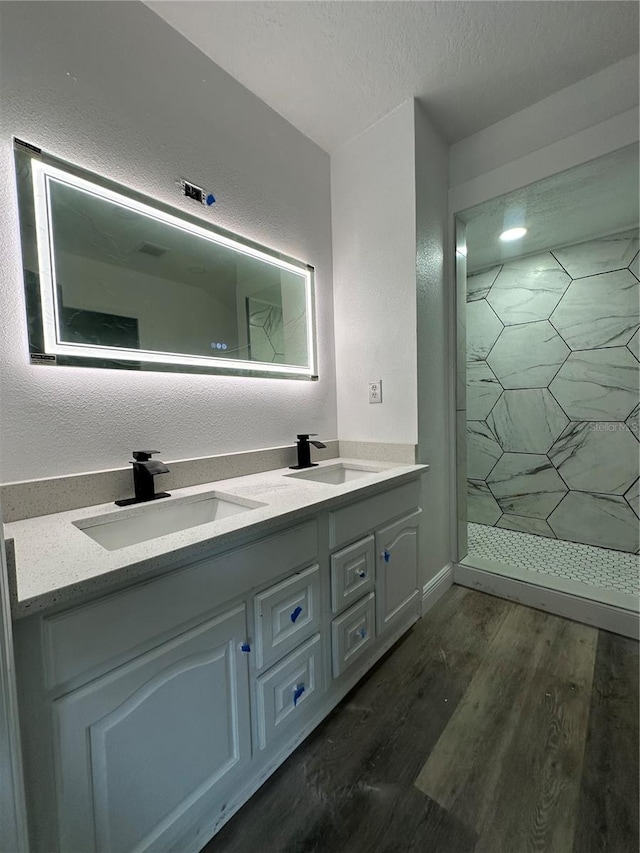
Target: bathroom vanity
[{"x": 163, "y": 681}]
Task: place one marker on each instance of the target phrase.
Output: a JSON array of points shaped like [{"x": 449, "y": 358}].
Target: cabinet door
[
  {"x": 397, "y": 586},
  {"x": 153, "y": 744}
]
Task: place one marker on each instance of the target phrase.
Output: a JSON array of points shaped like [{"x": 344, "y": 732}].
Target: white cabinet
[
  {"x": 397, "y": 581},
  {"x": 153, "y": 743},
  {"x": 353, "y": 573},
  {"x": 115, "y": 628},
  {"x": 352, "y": 634},
  {"x": 154, "y": 711},
  {"x": 285, "y": 614},
  {"x": 390, "y": 553},
  {"x": 284, "y": 693}
]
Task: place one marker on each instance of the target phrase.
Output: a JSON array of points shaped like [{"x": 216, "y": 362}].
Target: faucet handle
[
  {"x": 305, "y": 435},
  {"x": 143, "y": 455}
]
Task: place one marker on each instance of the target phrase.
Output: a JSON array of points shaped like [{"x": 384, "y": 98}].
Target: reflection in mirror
[{"x": 140, "y": 286}]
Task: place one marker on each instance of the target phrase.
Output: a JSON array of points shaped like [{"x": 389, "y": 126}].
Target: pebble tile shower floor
[{"x": 598, "y": 567}]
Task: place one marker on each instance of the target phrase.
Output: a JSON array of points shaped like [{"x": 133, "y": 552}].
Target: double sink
[{"x": 150, "y": 521}]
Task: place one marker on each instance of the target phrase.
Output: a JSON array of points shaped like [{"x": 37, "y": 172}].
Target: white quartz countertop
[{"x": 56, "y": 562}]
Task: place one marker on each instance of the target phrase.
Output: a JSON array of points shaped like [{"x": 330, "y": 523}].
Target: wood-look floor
[{"x": 489, "y": 728}]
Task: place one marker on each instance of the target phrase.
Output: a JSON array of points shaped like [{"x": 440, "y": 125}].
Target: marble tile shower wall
[{"x": 552, "y": 394}]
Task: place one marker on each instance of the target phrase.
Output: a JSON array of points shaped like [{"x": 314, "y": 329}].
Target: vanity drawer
[
  {"x": 352, "y": 573},
  {"x": 285, "y": 691},
  {"x": 286, "y": 614},
  {"x": 95, "y": 637},
  {"x": 353, "y": 521},
  {"x": 352, "y": 634}
]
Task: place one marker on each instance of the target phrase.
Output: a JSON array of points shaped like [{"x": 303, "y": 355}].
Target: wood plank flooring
[{"x": 490, "y": 728}]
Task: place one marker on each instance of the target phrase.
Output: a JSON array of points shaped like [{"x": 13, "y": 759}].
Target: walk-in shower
[{"x": 548, "y": 390}]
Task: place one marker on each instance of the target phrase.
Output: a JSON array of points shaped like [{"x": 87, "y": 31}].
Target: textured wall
[
  {"x": 114, "y": 89},
  {"x": 593, "y": 117},
  {"x": 552, "y": 393},
  {"x": 434, "y": 365},
  {"x": 594, "y": 99},
  {"x": 374, "y": 247},
  {"x": 389, "y": 205}
]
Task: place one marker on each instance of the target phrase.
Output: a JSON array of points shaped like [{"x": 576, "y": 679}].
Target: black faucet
[
  {"x": 304, "y": 451},
  {"x": 144, "y": 470}
]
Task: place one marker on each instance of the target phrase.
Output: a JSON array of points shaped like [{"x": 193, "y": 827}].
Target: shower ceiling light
[{"x": 513, "y": 234}]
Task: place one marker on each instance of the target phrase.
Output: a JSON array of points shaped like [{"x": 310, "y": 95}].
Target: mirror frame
[{"x": 33, "y": 168}]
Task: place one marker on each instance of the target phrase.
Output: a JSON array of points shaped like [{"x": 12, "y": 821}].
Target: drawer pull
[
  {"x": 298, "y": 690},
  {"x": 362, "y": 574},
  {"x": 386, "y": 555},
  {"x": 296, "y": 613},
  {"x": 245, "y": 647},
  {"x": 362, "y": 633}
]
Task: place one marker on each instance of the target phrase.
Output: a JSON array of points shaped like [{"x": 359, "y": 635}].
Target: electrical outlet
[{"x": 375, "y": 391}]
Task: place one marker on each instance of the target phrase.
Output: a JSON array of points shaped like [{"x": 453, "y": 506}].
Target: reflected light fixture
[{"x": 512, "y": 234}]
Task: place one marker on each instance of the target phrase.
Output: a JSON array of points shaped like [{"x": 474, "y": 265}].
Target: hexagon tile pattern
[
  {"x": 528, "y": 289},
  {"x": 527, "y": 355},
  {"x": 604, "y": 520},
  {"x": 483, "y": 328},
  {"x": 479, "y": 285},
  {"x": 599, "y": 256},
  {"x": 483, "y": 451},
  {"x": 632, "y": 423},
  {"x": 561, "y": 440},
  {"x": 596, "y": 457},
  {"x": 537, "y": 526},
  {"x": 599, "y": 311},
  {"x": 549, "y": 557},
  {"x": 481, "y": 505},
  {"x": 526, "y": 484},
  {"x": 633, "y": 497},
  {"x": 527, "y": 421},
  {"x": 597, "y": 384},
  {"x": 483, "y": 390}
]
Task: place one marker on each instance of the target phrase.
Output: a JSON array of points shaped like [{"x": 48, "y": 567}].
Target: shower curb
[{"x": 618, "y": 620}]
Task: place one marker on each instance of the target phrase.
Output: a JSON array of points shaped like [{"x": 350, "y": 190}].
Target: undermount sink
[
  {"x": 336, "y": 474},
  {"x": 152, "y": 520}
]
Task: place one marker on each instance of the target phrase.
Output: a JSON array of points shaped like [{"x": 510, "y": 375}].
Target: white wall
[
  {"x": 593, "y": 117},
  {"x": 392, "y": 304},
  {"x": 373, "y": 217},
  {"x": 13, "y": 829},
  {"x": 115, "y": 90},
  {"x": 435, "y": 310}
]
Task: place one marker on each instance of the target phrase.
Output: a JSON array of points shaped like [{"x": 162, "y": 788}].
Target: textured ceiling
[
  {"x": 334, "y": 68},
  {"x": 596, "y": 198}
]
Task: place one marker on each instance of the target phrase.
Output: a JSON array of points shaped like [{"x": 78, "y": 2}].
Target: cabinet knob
[
  {"x": 362, "y": 633},
  {"x": 298, "y": 690},
  {"x": 362, "y": 574},
  {"x": 386, "y": 556},
  {"x": 245, "y": 647},
  {"x": 296, "y": 613}
]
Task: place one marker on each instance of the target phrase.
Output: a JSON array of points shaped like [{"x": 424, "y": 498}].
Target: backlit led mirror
[{"x": 114, "y": 279}]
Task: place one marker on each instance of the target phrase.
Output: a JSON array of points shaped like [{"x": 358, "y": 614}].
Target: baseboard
[
  {"x": 594, "y": 613},
  {"x": 435, "y": 588}
]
